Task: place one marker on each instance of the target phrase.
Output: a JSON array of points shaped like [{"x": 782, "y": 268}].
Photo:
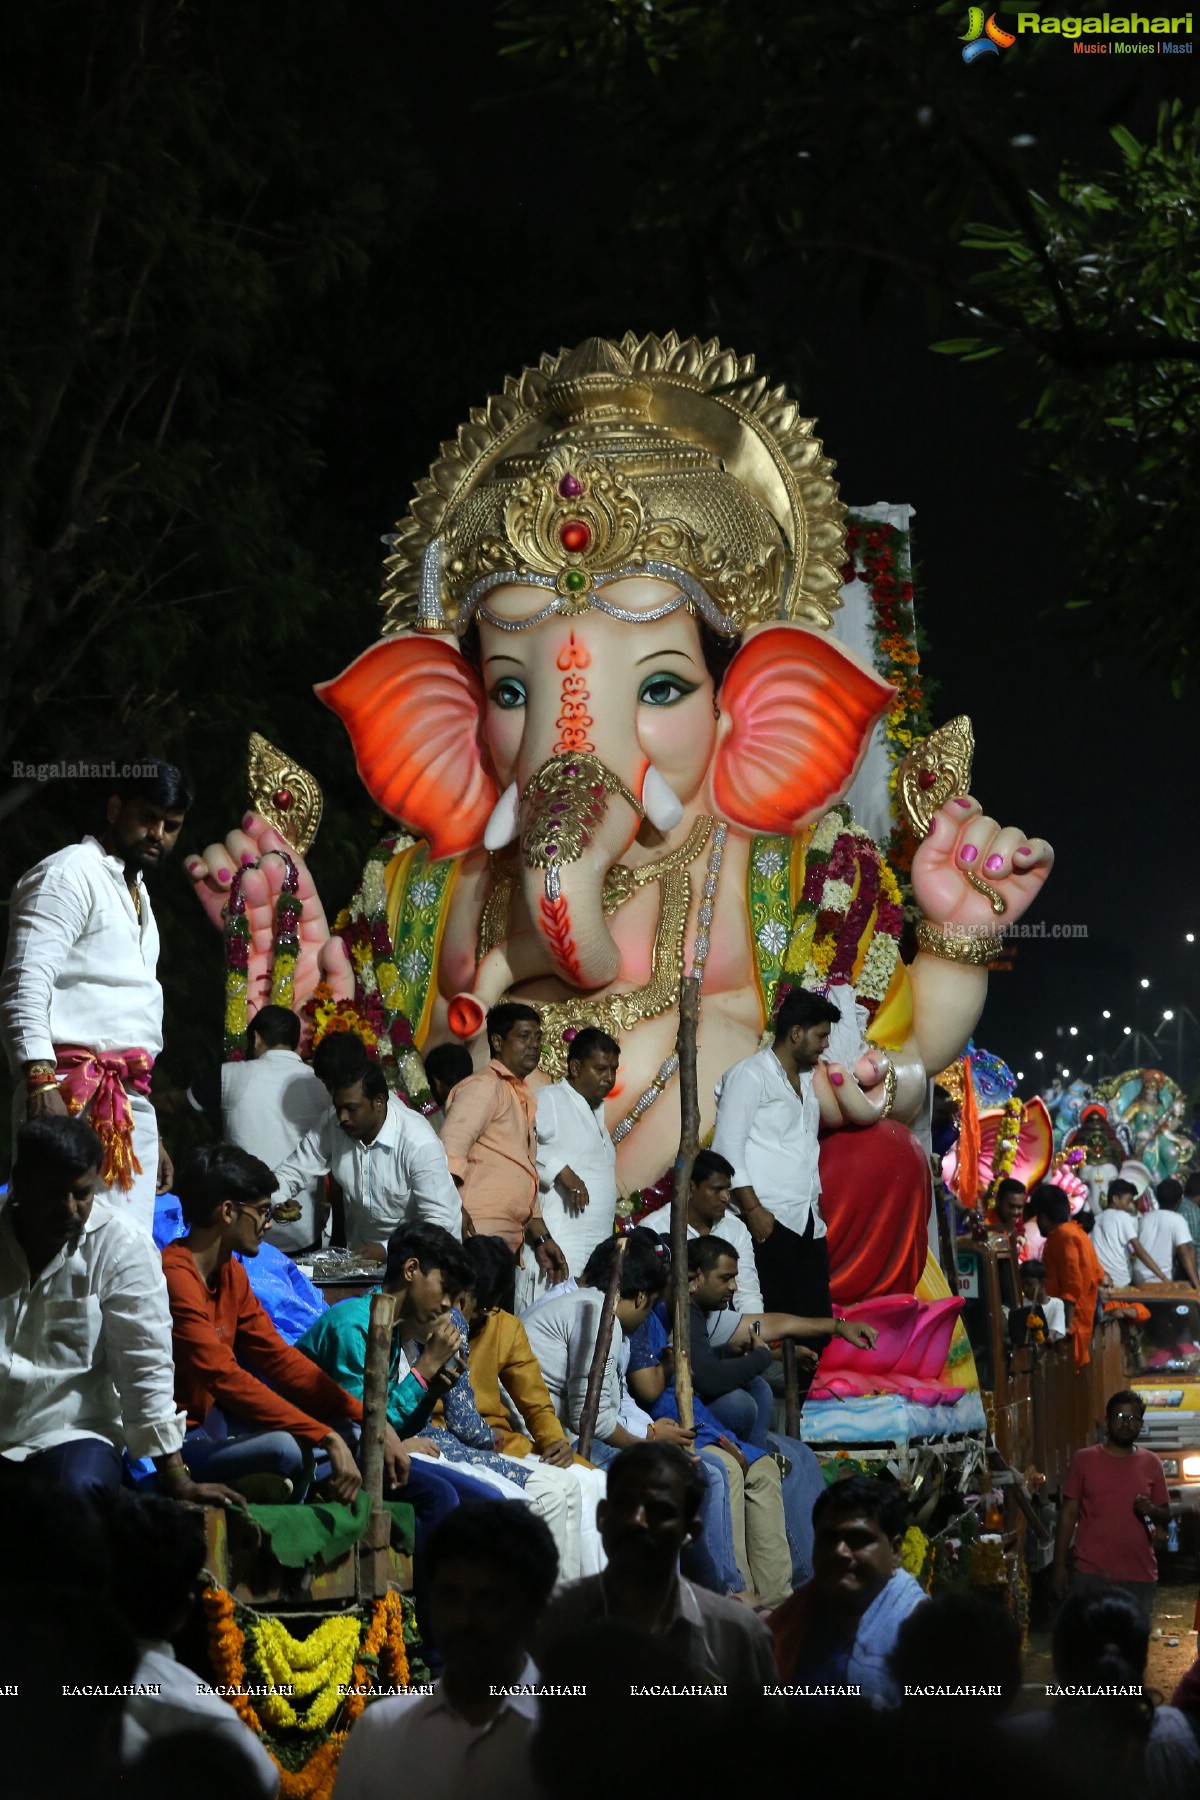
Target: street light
[
  {"x": 1144, "y": 982},
  {"x": 1074, "y": 1031},
  {"x": 1191, "y": 937},
  {"x": 1066, "y": 1072},
  {"x": 1020, "y": 1074},
  {"x": 1106, "y": 1014},
  {"x": 1168, "y": 1014},
  {"x": 1090, "y": 1057},
  {"x": 1127, "y": 1029},
  {"x": 1037, "y": 1056}
]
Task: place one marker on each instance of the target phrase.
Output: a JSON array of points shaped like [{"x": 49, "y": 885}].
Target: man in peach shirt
[{"x": 491, "y": 1144}]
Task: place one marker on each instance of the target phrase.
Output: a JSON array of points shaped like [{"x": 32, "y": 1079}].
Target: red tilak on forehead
[
  {"x": 573, "y": 655},
  {"x": 574, "y": 720}
]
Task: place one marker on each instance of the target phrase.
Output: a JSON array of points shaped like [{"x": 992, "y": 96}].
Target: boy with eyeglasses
[{"x": 1113, "y": 1497}]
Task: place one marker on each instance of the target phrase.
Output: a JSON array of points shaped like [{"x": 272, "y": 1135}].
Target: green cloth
[
  {"x": 337, "y": 1343},
  {"x": 317, "y": 1534}
]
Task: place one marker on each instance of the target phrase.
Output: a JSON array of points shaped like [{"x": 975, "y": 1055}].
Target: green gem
[{"x": 575, "y": 581}]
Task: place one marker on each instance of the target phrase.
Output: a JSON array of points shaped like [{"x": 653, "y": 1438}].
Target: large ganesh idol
[{"x": 609, "y": 716}]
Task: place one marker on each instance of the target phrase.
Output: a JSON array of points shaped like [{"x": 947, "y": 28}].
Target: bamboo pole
[
  {"x": 373, "y": 1561},
  {"x": 604, "y": 1334},
  {"x": 689, "y": 1137}
]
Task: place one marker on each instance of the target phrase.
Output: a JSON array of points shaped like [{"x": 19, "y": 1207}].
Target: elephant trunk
[{"x": 571, "y": 834}]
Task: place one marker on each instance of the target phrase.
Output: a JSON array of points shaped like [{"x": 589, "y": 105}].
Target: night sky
[{"x": 1101, "y": 767}]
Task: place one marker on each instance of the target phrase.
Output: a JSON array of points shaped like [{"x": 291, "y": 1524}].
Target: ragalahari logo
[{"x": 983, "y": 37}]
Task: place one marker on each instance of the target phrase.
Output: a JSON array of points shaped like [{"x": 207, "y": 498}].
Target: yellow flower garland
[{"x": 339, "y": 1653}]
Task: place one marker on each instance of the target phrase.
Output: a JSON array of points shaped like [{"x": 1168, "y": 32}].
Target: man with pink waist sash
[{"x": 80, "y": 1003}]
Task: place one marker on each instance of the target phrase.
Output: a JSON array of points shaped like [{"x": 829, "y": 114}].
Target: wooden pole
[
  {"x": 689, "y": 1137},
  {"x": 374, "y": 1565},
  {"x": 604, "y": 1334},
  {"x": 791, "y": 1389}
]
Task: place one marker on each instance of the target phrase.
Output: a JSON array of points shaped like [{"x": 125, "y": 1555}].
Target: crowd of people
[{"x": 552, "y": 1550}]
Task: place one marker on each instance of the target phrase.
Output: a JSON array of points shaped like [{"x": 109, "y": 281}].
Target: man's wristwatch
[{"x": 537, "y": 1242}]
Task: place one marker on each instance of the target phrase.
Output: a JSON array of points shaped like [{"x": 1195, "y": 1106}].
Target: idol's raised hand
[
  {"x": 259, "y": 850},
  {"x": 964, "y": 843}
]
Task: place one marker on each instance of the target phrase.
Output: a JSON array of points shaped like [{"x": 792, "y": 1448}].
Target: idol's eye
[
  {"x": 509, "y": 693},
  {"x": 665, "y": 689}
]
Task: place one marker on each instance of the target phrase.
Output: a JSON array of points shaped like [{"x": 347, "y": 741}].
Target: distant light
[
  {"x": 1037, "y": 1056},
  {"x": 1106, "y": 1014},
  {"x": 1074, "y": 1031},
  {"x": 1145, "y": 983},
  {"x": 1023, "y": 142},
  {"x": 1126, "y": 1029},
  {"x": 1191, "y": 937},
  {"x": 1168, "y": 1014},
  {"x": 1066, "y": 1071},
  {"x": 1089, "y": 1057},
  {"x": 1020, "y": 1074}
]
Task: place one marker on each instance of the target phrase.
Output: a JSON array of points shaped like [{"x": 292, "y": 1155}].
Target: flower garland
[
  {"x": 354, "y": 1652},
  {"x": 846, "y": 880},
  {"x": 879, "y": 556},
  {"x": 285, "y": 950},
  {"x": 1008, "y": 1137},
  {"x": 286, "y": 947},
  {"x": 237, "y": 966},
  {"x": 376, "y": 1012}
]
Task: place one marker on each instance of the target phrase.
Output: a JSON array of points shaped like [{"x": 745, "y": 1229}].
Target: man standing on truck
[
  {"x": 1165, "y": 1234},
  {"x": 1116, "y": 1236},
  {"x": 1115, "y": 1494},
  {"x": 1074, "y": 1273}
]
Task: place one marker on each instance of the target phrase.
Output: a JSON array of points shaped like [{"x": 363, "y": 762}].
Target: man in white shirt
[
  {"x": 492, "y": 1566},
  {"x": 768, "y": 1117},
  {"x": 158, "y": 1555},
  {"x": 1116, "y": 1238},
  {"x": 385, "y": 1158},
  {"x": 576, "y": 1158},
  {"x": 268, "y": 1104},
  {"x": 1164, "y": 1236},
  {"x": 562, "y": 1331},
  {"x": 708, "y": 1210},
  {"x": 85, "y": 1329},
  {"x": 80, "y": 1005}
]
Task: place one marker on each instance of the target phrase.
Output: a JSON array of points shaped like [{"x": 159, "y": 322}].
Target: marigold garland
[
  {"x": 1008, "y": 1137},
  {"x": 375, "y": 1012},
  {"x": 352, "y": 1651}
]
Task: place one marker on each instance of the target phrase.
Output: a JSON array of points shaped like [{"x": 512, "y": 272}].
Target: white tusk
[
  {"x": 664, "y": 808},
  {"x": 501, "y": 828}
]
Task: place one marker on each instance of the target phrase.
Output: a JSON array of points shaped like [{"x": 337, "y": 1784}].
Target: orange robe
[{"x": 1074, "y": 1273}]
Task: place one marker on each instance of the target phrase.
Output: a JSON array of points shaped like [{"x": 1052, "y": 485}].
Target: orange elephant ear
[
  {"x": 800, "y": 713},
  {"x": 413, "y": 709}
]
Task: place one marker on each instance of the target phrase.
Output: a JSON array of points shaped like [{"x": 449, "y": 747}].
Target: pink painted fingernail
[
  {"x": 961, "y": 800},
  {"x": 968, "y": 853},
  {"x": 994, "y": 862},
  {"x": 1024, "y": 850},
  {"x": 246, "y": 858},
  {"x": 223, "y": 875},
  {"x": 835, "y": 1078},
  {"x": 248, "y": 821}
]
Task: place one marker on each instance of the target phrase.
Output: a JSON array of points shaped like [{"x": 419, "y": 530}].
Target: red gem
[
  {"x": 283, "y": 799},
  {"x": 570, "y": 487},
  {"x": 575, "y": 536},
  {"x": 925, "y": 778}
]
